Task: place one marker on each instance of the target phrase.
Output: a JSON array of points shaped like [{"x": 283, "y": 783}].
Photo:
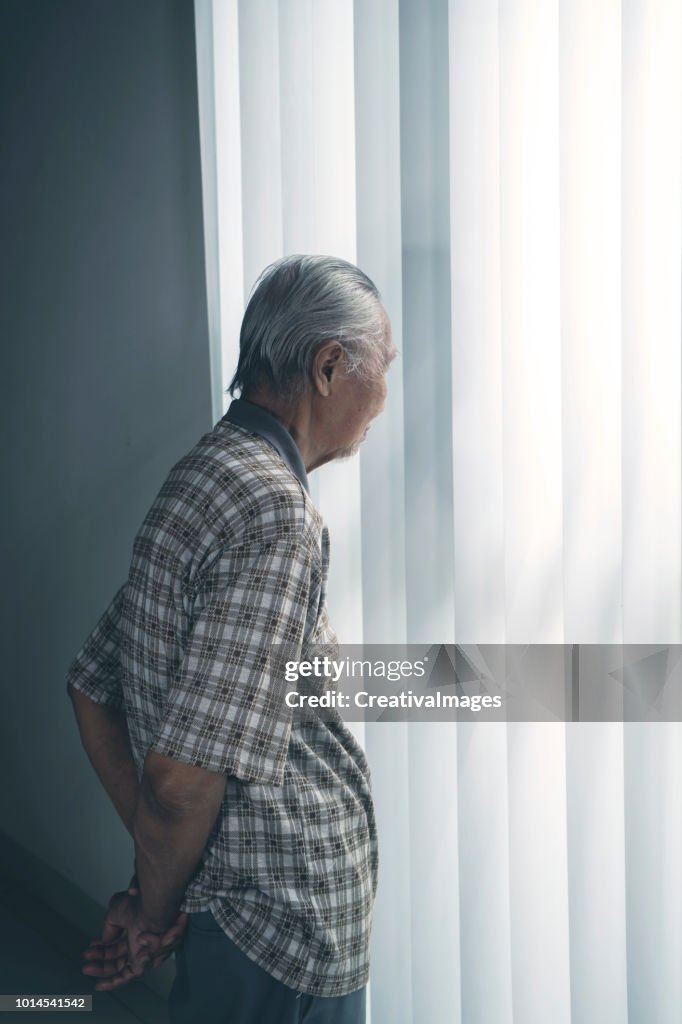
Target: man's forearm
[
  {"x": 170, "y": 837},
  {"x": 104, "y": 735}
]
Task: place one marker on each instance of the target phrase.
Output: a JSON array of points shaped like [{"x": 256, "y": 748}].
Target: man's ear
[{"x": 326, "y": 365}]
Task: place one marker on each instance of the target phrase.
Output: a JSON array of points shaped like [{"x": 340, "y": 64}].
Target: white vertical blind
[
  {"x": 426, "y": 320},
  {"x": 483, "y": 848},
  {"x": 228, "y": 209},
  {"x": 485, "y": 949},
  {"x": 429, "y": 554},
  {"x": 538, "y": 873},
  {"x": 532, "y": 482},
  {"x": 474, "y": 89},
  {"x": 298, "y": 128},
  {"x": 531, "y": 352},
  {"x": 596, "y": 872},
  {"x": 651, "y": 269},
  {"x": 209, "y": 183},
  {"x": 509, "y": 172},
  {"x": 261, "y": 142},
  {"x": 379, "y": 253},
  {"x": 434, "y": 917},
  {"x": 653, "y": 859},
  {"x": 590, "y": 208},
  {"x": 590, "y": 247}
]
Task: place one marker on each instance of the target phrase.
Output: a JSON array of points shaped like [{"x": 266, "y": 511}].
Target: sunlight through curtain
[{"x": 509, "y": 173}]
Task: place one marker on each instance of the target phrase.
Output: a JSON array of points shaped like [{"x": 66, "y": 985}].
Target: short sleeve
[
  {"x": 95, "y": 670},
  {"x": 226, "y": 710}
]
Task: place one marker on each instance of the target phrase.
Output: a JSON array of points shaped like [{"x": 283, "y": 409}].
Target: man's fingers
[
  {"x": 161, "y": 945},
  {"x": 114, "y": 972},
  {"x": 138, "y": 967},
  {"x": 110, "y": 930},
  {"x": 105, "y": 968},
  {"x": 176, "y": 929},
  {"x": 169, "y": 947},
  {"x": 157, "y": 961},
  {"x": 123, "y": 978},
  {"x": 107, "y": 952}
]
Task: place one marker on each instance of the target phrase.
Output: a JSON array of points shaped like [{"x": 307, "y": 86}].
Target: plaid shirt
[{"x": 231, "y": 558}]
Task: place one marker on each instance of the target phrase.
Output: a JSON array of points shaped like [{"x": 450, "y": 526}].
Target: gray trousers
[{"x": 216, "y": 983}]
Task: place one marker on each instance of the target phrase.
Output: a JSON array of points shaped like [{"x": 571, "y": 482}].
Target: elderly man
[{"x": 255, "y": 842}]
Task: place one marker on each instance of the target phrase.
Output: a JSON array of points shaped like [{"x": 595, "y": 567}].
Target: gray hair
[{"x": 297, "y": 304}]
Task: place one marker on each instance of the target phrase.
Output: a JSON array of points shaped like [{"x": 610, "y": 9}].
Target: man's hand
[
  {"x": 173, "y": 938},
  {"x": 129, "y": 943}
]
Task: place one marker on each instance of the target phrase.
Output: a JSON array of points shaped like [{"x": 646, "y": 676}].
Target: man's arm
[
  {"x": 177, "y": 808},
  {"x": 94, "y": 686},
  {"x": 104, "y": 735}
]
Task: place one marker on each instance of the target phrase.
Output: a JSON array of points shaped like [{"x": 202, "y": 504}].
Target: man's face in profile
[{"x": 358, "y": 403}]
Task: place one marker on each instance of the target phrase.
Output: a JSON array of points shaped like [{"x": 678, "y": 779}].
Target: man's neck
[{"x": 295, "y": 416}]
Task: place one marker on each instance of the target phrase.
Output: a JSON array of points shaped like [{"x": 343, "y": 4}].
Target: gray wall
[{"x": 105, "y": 376}]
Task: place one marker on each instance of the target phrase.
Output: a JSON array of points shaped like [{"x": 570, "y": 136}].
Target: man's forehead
[{"x": 391, "y": 350}]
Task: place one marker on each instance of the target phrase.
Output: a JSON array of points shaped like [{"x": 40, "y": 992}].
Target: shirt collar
[{"x": 259, "y": 421}]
